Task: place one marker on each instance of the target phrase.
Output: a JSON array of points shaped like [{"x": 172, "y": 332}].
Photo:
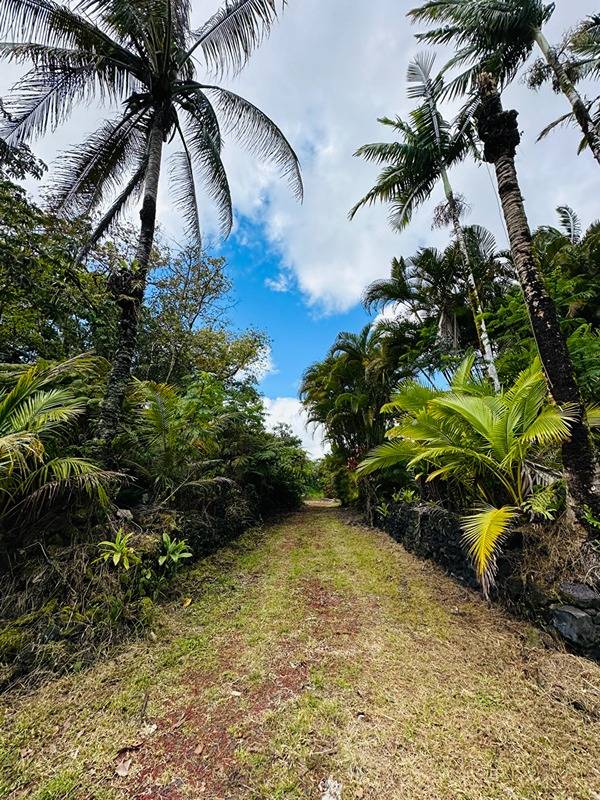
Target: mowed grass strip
[{"x": 315, "y": 649}]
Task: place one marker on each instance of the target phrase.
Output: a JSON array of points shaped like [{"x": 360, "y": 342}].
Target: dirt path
[{"x": 315, "y": 653}]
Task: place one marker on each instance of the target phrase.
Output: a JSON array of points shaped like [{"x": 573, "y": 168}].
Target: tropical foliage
[{"x": 500, "y": 448}]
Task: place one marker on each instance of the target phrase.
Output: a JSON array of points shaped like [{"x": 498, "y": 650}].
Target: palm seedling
[
  {"x": 35, "y": 412},
  {"x": 142, "y": 56}
]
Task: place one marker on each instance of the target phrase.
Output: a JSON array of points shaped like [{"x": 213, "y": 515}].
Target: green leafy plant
[
  {"x": 405, "y": 496},
  {"x": 37, "y": 411},
  {"x": 174, "y": 551},
  {"x": 119, "y": 551},
  {"x": 383, "y": 510},
  {"x": 498, "y": 446}
]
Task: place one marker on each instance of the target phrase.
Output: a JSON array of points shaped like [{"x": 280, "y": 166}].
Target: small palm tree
[
  {"x": 394, "y": 290},
  {"x": 430, "y": 146},
  {"x": 490, "y": 443},
  {"x": 142, "y": 55},
  {"x": 35, "y": 411},
  {"x": 498, "y": 36}
]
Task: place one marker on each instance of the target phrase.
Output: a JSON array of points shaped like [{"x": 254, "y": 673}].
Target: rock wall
[{"x": 428, "y": 531}]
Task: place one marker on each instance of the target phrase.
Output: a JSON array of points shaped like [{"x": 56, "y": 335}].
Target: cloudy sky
[{"x": 329, "y": 69}]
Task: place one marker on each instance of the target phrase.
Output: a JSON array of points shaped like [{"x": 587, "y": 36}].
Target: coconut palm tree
[
  {"x": 499, "y": 36},
  {"x": 141, "y": 55},
  {"x": 430, "y": 146}
]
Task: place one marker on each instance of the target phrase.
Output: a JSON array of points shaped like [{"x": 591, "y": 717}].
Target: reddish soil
[{"x": 193, "y": 753}]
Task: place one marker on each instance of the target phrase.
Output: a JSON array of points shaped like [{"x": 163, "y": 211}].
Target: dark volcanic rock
[
  {"x": 580, "y": 595},
  {"x": 576, "y": 625},
  {"x": 434, "y": 533}
]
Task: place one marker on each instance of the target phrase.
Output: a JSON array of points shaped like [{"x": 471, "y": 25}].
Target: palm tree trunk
[
  {"x": 499, "y": 133},
  {"x": 131, "y": 288},
  {"x": 480, "y": 324},
  {"x": 567, "y": 87}
]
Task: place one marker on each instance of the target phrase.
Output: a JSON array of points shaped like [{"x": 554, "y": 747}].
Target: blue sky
[{"x": 300, "y": 334}]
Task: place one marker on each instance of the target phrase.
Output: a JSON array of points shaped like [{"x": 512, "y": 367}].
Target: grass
[{"x": 312, "y": 649}]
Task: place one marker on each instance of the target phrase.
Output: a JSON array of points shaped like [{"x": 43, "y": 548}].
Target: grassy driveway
[{"x": 315, "y": 655}]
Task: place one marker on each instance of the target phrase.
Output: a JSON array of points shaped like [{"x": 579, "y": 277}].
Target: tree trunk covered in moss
[
  {"x": 129, "y": 287},
  {"x": 499, "y": 133}
]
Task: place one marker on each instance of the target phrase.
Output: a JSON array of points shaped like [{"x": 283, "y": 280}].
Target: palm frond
[
  {"x": 259, "y": 134},
  {"x": 570, "y": 223},
  {"x": 387, "y": 455},
  {"x": 85, "y": 175},
  {"x": 204, "y": 143},
  {"x": 230, "y": 36},
  {"x": 482, "y": 533},
  {"x": 184, "y": 192}
]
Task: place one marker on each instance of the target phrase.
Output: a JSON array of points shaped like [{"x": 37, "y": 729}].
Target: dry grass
[{"x": 316, "y": 649}]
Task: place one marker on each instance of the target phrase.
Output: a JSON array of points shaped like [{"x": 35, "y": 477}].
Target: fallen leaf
[
  {"x": 153, "y": 636},
  {"x": 148, "y": 729},
  {"x": 26, "y": 753},
  {"x": 187, "y": 602},
  {"x": 235, "y": 693},
  {"x": 199, "y": 749},
  {"x": 332, "y": 790},
  {"x": 123, "y": 766}
]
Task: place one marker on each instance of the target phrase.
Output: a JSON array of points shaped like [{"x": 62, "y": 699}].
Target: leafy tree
[
  {"x": 51, "y": 307},
  {"x": 498, "y": 36},
  {"x": 141, "y": 54}
]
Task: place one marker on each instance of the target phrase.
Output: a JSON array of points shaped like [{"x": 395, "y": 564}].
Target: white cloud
[
  {"x": 290, "y": 411},
  {"x": 281, "y": 283},
  {"x": 325, "y": 74}
]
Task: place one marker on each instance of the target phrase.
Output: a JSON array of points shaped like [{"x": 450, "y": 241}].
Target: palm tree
[
  {"x": 498, "y": 36},
  {"x": 394, "y": 290},
  {"x": 142, "y": 55},
  {"x": 36, "y": 409},
  {"x": 490, "y": 444},
  {"x": 430, "y": 147},
  {"x": 500, "y": 135}
]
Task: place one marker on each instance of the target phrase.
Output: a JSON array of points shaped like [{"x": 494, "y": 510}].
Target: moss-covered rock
[{"x": 12, "y": 640}]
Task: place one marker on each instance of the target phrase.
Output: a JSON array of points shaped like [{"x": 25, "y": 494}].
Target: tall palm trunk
[
  {"x": 130, "y": 287},
  {"x": 499, "y": 133},
  {"x": 480, "y": 324},
  {"x": 567, "y": 87}
]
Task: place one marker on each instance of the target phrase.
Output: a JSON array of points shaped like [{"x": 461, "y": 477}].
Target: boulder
[
  {"x": 579, "y": 595},
  {"x": 576, "y": 626}
]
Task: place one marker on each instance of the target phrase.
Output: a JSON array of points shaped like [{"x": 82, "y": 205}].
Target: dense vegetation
[
  {"x": 132, "y": 436},
  {"x": 477, "y": 390}
]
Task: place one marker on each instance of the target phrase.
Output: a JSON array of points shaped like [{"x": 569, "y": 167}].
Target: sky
[{"x": 328, "y": 70}]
